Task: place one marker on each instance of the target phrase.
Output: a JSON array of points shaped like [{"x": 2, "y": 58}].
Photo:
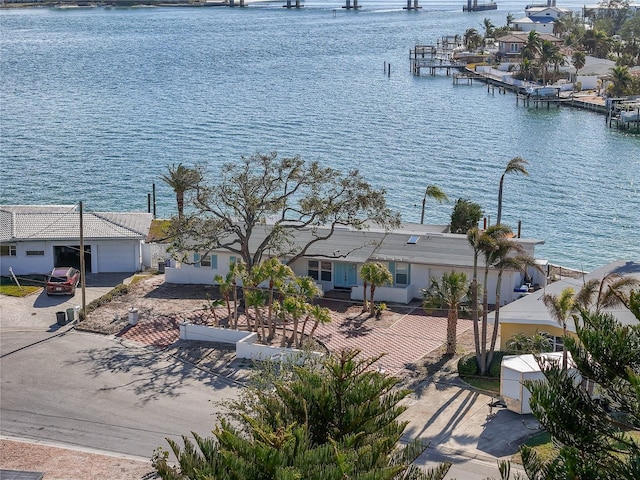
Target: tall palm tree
[
  {"x": 549, "y": 54},
  {"x": 473, "y": 237},
  {"x": 578, "y": 59},
  {"x": 433, "y": 191},
  {"x": 560, "y": 307},
  {"x": 450, "y": 292},
  {"x": 509, "y": 255},
  {"x": 182, "y": 179},
  {"x": 515, "y": 165},
  {"x": 491, "y": 244},
  {"x": 375, "y": 273}
]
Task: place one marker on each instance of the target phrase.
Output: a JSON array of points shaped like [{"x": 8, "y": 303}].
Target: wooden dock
[{"x": 434, "y": 58}]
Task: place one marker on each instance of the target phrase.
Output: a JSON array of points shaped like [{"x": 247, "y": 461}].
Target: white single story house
[
  {"x": 36, "y": 238},
  {"x": 529, "y": 313},
  {"x": 413, "y": 253}
]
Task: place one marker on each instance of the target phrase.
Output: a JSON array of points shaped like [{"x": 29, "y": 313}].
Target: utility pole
[{"x": 83, "y": 312}]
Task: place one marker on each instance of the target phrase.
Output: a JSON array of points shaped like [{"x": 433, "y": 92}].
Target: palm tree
[
  {"x": 473, "y": 237},
  {"x": 610, "y": 292},
  {"x": 471, "y": 38},
  {"x": 437, "y": 194},
  {"x": 508, "y": 255},
  {"x": 319, "y": 315},
  {"x": 488, "y": 27},
  {"x": 531, "y": 48},
  {"x": 277, "y": 273},
  {"x": 515, "y": 165},
  {"x": 491, "y": 244},
  {"x": 450, "y": 292},
  {"x": 578, "y": 59},
  {"x": 621, "y": 79},
  {"x": 549, "y": 54},
  {"x": 560, "y": 308},
  {"x": 375, "y": 273},
  {"x": 226, "y": 284},
  {"x": 182, "y": 179}
]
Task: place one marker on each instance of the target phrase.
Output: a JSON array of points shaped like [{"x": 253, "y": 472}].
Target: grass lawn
[
  {"x": 29, "y": 285},
  {"x": 490, "y": 385}
]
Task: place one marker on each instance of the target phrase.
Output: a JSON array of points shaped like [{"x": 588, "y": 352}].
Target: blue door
[{"x": 344, "y": 275}]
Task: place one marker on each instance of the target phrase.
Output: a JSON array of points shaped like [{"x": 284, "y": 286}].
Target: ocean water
[{"x": 96, "y": 103}]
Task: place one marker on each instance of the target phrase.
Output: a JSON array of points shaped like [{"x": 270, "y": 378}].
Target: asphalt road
[
  {"x": 60, "y": 385},
  {"x": 91, "y": 391}
]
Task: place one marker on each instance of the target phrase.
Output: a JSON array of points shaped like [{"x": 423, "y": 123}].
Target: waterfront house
[
  {"x": 540, "y": 18},
  {"x": 529, "y": 313},
  {"x": 510, "y": 45},
  {"x": 413, "y": 253},
  {"x": 36, "y": 238}
]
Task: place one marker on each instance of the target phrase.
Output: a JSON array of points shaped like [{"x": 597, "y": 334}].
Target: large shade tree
[{"x": 283, "y": 196}]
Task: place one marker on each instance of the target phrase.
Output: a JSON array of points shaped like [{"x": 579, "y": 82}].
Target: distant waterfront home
[
  {"x": 510, "y": 45},
  {"x": 413, "y": 253},
  {"x": 540, "y": 18},
  {"x": 35, "y": 238},
  {"x": 529, "y": 314}
]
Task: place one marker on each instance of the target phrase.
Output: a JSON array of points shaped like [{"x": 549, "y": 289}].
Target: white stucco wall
[{"x": 106, "y": 256}]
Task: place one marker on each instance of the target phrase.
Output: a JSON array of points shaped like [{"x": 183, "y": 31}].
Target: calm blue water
[{"x": 95, "y": 103}]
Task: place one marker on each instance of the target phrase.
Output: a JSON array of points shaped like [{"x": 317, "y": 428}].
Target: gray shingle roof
[{"x": 40, "y": 222}]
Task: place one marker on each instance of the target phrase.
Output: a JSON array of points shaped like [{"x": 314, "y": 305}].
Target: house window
[
  {"x": 34, "y": 253},
  {"x": 513, "y": 47},
  {"x": 401, "y": 276},
  {"x": 319, "y": 270},
  {"x": 556, "y": 344},
  {"x": 232, "y": 261},
  {"x": 8, "y": 250},
  {"x": 210, "y": 261}
]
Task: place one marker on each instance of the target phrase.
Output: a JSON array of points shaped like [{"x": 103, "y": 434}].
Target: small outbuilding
[{"x": 515, "y": 369}]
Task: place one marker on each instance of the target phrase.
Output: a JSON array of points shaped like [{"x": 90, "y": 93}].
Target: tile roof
[{"x": 41, "y": 222}]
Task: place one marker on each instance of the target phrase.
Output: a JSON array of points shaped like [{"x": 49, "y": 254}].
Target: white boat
[
  {"x": 630, "y": 115},
  {"x": 543, "y": 91}
]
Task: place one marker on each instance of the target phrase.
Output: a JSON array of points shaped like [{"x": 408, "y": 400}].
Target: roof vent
[{"x": 413, "y": 239}]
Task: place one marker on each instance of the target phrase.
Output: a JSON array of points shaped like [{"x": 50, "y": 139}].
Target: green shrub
[
  {"x": 496, "y": 363},
  {"x": 468, "y": 365}
]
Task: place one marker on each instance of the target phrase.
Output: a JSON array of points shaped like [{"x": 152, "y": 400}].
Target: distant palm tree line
[{"x": 612, "y": 35}]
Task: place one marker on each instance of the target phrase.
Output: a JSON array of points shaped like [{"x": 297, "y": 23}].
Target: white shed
[{"x": 514, "y": 370}]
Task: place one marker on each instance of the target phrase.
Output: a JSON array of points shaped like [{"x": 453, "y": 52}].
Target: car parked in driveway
[{"x": 62, "y": 281}]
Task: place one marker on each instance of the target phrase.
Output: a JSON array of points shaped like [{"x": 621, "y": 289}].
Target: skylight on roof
[{"x": 413, "y": 239}]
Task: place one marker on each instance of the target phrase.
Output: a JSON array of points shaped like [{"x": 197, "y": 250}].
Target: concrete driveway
[{"x": 37, "y": 312}]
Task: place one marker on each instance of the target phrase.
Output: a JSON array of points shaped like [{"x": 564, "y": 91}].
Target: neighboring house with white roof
[
  {"x": 529, "y": 314},
  {"x": 413, "y": 253},
  {"x": 540, "y": 18},
  {"x": 36, "y": 238}
]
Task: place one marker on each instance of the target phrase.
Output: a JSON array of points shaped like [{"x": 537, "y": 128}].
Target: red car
[{"x": 63, "y": 281}]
